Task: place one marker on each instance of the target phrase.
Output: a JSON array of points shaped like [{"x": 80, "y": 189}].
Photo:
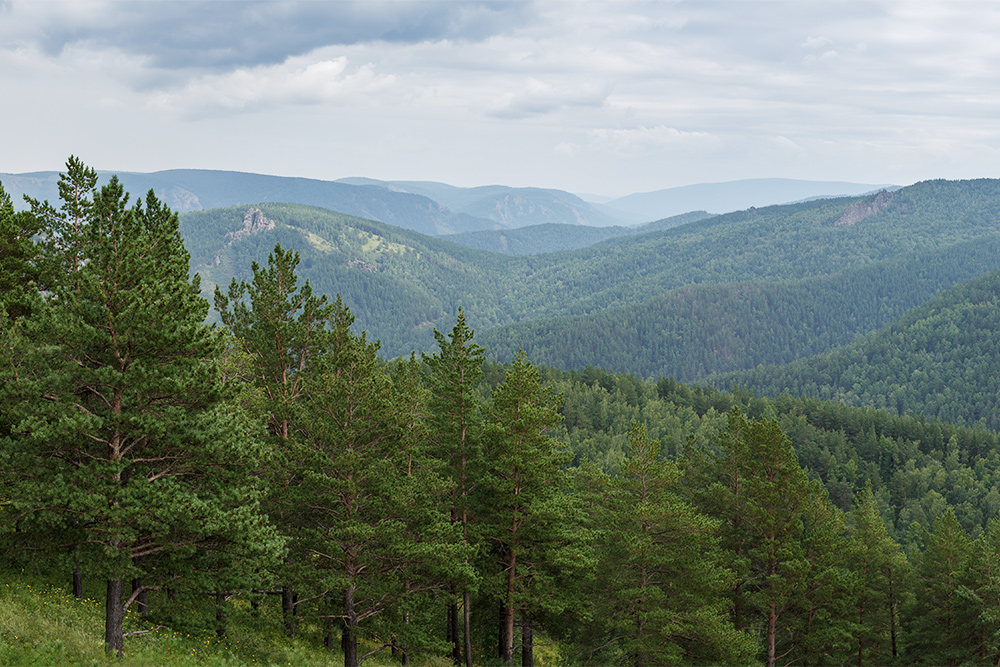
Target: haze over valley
[{"x": 479, "y": 333}]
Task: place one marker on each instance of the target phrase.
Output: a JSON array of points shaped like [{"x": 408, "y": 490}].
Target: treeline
[
  {"x": 917, "y": 468},
  {"x": 443, "y": 505}
]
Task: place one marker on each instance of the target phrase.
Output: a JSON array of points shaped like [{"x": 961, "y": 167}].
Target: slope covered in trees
[
  {"x": 941, "y": 360},
  {"x": 619, "y": 520},
  {"x": 400, "y": 285},
  {"x": 545, "y": 238}
]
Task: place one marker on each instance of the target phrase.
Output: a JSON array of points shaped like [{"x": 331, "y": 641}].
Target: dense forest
[
  {"x": 812, "y": 282},
  {"x": 938, "y": 360},
  {"x": 441, "y": 505}
]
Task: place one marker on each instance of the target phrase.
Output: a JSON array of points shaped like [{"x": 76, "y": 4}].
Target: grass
[{"x": 42, "y": 625}]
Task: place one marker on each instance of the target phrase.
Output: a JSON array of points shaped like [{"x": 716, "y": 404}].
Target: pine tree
[
  {"x": 662, "y": 580},
  {"x": 370, "y": 513},
  {"x": 525, "y": 493},
  {"x": 945, "y": 611},
  {"x": 455, "y": 424},
  {"x": 876, "y": 562},
  {"x": 20, "y": 272},
  {"x": 754, "y": 484},
  {"x": 121, "y": 428},
  {"x": 282, "y": 329}
]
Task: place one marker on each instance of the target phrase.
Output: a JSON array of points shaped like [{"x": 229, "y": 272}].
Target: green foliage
[
  {"x": 371, "y": 519},
  {"x": 123, "y": 448},
  {"x": 662, "y": 579},
  {"x": 939, "y": 360},
  {"x": 719, "y": 294}
]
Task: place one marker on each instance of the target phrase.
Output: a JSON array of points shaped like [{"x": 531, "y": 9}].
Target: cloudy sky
[{"x": 606, "y": 97}]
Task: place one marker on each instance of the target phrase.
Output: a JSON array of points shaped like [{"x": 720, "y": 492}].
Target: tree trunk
[
  {"x": 288, "y": 611},
  {"x": 329, "y": 634},
  {"x": 508, "y": 622},
  {"x": 527, "y": 643},
  {"x": 500, "y": 634},
  {"x": 772, "y": 633},
  {"x": 892, "y": 615},
  {"x": 451, "y": 629},
  {"x": 350, "y": 637},
  {"x": 220, "y": 615},
  {"x": 466, "y": 614},
  {"x": 142, "y": 600},
  {"x": 405, "y": 660},
  {"x": 77, "y": 576},
  {"x": 114, "y": 618}
]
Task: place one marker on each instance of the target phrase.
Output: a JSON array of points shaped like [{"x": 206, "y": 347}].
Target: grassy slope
[{"x": 42, "y": 625}]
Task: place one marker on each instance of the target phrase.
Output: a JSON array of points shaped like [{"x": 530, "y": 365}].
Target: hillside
[
  {"x": 540, "y": 239},
  {"x": 941, "y": 360},
  {"x": 402, "y": 284},
  {"x": 733, "y": 195},
  {"x": 698, "y": 330}
]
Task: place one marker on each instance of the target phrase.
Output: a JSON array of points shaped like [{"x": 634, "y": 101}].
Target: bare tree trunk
[
  {"x": 451, "y": 632},
  {"x": 406, "y": 656},
  {"x": 220, "y": 615},
  {"x": 527, "y": 642},
  {"x": 77, "y": 575},
  {"x": 508, "y": 623},
  {"x": 350, "y": 638},
  {"x": 114, "y": 618},
  {"x": 500, "y": 627},
  {"x": 466, "y": 614},
  {"x": 288, "y": 610}
]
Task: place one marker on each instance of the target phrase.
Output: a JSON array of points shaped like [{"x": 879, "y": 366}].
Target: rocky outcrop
[
  {"x": 866, "y": 208},
  {"x": 254, "y": 222}
]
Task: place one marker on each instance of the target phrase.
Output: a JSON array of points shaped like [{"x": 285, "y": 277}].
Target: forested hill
[
  {"x": 401, "y": 285},
  {"x": 698, "y": 330},
  {"x": 941, "y": 360},
  {"x": 539, "y": 239}
]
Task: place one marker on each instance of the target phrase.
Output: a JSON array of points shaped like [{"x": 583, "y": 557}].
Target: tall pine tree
[{"x": 119, "y": 413}]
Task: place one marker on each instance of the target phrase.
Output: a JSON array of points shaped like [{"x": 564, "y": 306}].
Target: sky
[{"x": 605, "y": 98}]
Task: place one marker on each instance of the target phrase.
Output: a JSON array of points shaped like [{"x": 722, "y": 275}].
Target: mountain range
[
  {"x": 715, "y": 294},
  {"x": 437, "y": 208},
  {"x": 770, "y": 297}
]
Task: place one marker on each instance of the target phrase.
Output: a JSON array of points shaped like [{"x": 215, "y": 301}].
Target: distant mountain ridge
[
  {"x": 540, "y": 239},
  {"x": 187, "y": 190},
  {"x": 401, "y": 284},
  {"x": 438, "y": 209},
  {"x": 735, "y": 196},
  {"x": 509, "y": 207}
]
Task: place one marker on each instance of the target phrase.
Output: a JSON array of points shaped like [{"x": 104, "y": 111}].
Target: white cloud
[
  {"x": 645, "y": 139},
  {"x": 297, "y": 81}
]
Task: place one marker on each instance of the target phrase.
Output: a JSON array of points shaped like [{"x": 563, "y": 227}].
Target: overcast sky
[{"x": 607, "y": 97}]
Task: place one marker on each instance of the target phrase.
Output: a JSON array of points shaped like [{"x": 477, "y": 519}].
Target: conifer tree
[
  {"x": 119, "y": 413},
  {"x": 876, "y": 562},
  {"x": 455, "y": 424},
  {"x": 754, "y": 484},
  {"x": 20, "y": 271},
  {"x": 945, "y": 610},
  {"x": 525, "y": 486},
  {"x": 662, "y": 580},
  {"x": 371, "y": 519},
  {"x": 281, "y": 328}
]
